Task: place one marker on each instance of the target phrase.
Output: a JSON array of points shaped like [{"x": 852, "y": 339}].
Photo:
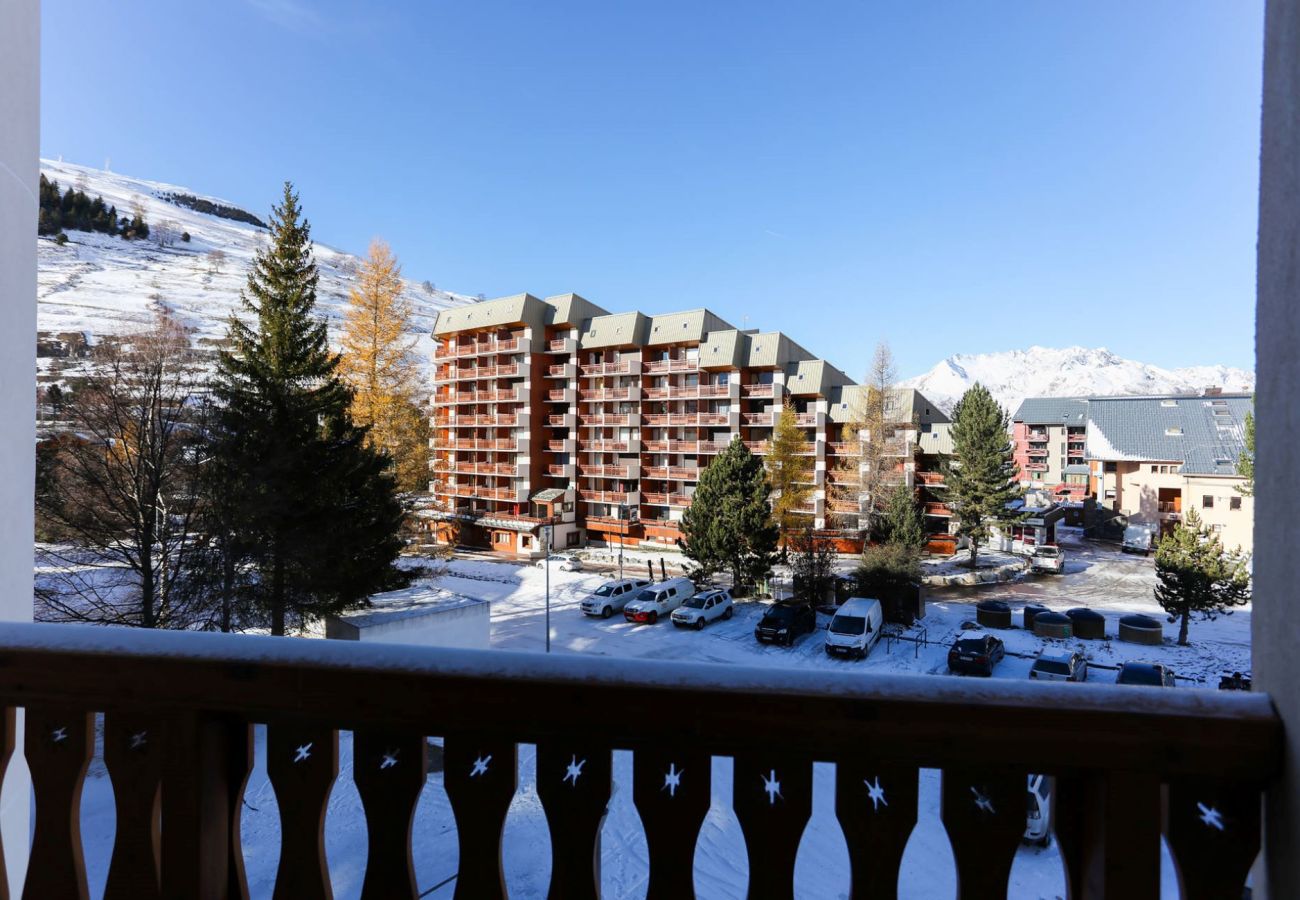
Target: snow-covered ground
[
  {"x": 1096, "y": 576},
  {"x": 99, "y": 285}
]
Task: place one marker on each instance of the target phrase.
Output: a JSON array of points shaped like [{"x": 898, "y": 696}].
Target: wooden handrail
[{"x": 1112, "y": 748}]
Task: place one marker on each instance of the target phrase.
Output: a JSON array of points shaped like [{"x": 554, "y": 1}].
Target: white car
[
  {"x": 1038, "y": 813},
  {"x": 565, "y": 562},
  {"x": 611, "y": 597},
  {"x": 704, "y": 607},
  {"x": 855, "y": 629},
  {"x": 1048, "y": 558}
]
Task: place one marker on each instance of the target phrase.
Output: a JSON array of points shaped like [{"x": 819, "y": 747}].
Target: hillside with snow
[
  {"x": 98, "y": 285},
  {"x": 1013, "y": 375}
]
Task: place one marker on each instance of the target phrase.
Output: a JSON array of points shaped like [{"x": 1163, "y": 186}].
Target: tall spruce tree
[
  {"x": 316, "y": 507},
  {"x": 901, "y": 522},
  {"x": 1197, "y": 576},
  {"x": 981, "y": 480},
  {"x": 729, "y": 526}
]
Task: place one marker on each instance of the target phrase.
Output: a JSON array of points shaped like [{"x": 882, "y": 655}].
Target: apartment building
[
  {"x": 557, "y": 412},
  {"x": 1152, "y": 458},
  {"x": 1050, "y": 437}
]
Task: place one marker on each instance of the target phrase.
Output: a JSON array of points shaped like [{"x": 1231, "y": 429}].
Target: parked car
[
  {"x": 1047, "y": 558},
  {"x": 783, "y": 622},
  {"x": 611, "y": 597},
  {"x": 975, "y": 653},
  {"x": 1148, "y": 673},
  {"x": 655, "y": 601},
  {"x": 855, "y": 627},
  {"x": 1064, "y": 665},
  {"x": 565, "y": 562},
  {"x": 1138, "y": 539},
  {"x": 704, "y": 607},
  {"x": 1038, "y": 814}
]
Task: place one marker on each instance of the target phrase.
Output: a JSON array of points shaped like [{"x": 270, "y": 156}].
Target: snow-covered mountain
[
  {"x": 1013, "y": 375},
  {"x": 97, "y": 284}
]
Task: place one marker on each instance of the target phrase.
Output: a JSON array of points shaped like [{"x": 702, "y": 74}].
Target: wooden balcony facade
[{"x": 1131, "y": 763}]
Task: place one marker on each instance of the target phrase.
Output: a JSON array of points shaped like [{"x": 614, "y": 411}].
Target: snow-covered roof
[{"x": 1205, "y": 434}]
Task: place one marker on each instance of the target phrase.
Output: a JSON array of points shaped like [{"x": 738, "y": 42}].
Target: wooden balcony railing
[
  {"x": 671, "y": 365},
  {"x": 713, "y": 390},
  {"x": 178, "y": 747},
  {"x": 756, "y": 390},
  {"x": 621, "y": 367}
]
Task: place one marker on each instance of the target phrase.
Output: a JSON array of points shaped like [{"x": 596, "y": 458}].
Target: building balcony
[
  {"x": 670, "y": 365},
  {"x": 506, "y": 420},
  {"x": 617, "y": 498},
  {"x": 484, "y": 468},
  {"x": 756, "y": 390},
  {"x": 656, "y": 473},
  {"x": 714, "y": 390},
  {"x": 563, "y": 370},
  {"x": 561, "y": 421},
  {"x": 564, "y": 446},
  {"x": 562, "y": 345},
  {"x": 1035, "y": 467},
  {"x": 1036, "y": 435},
  {"x": 606, "y": 421},
  {"x": 682, "y": 500},
  {"x": 604, "y": 446},
  {"x": 763, "y": 419},
  {"x": 1194, "y": 760},
  {"x": 683, "y": 473},
  {"x": 714, "y": 418},
  {"x": 601, "y": 395},
  {"x": 651, "y": 498},
  {"x": 937, "y": 509},
  {"x": 559, "y": 471},
  {"x": 930, "y": 479},
  {"x": 622, "y": 367},
  {"x": 606, "y": 471},
  {"x": 496, "y": 444},
  {"x": 759, "y": 447}
]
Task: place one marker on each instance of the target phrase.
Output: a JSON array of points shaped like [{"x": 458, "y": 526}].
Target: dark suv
[
  {"x": 783, "y": 622},
  {"x": 975, "y": 653}
]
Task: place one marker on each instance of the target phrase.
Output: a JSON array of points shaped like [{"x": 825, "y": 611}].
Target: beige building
[{"x": 1153, "y": 458}]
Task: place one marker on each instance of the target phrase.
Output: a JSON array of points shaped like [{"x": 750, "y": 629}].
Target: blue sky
[{"x": 952, "y": 177}]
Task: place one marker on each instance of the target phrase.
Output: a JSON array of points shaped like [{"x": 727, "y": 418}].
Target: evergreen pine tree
[
  {"x": 316, "y": 507},
  {"x": 1197, "y": 576},
  {"x": 789, "y": 472},
  {"x": 901, "y": 522},
  {"x": 728, "y": 526},
  {"x": 981, "y": 480},
  {"x": 379, "y": 364},
  {"x": 1246, "y": 460}
]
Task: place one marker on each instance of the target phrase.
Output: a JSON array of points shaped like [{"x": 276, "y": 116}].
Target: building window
[
  {"x": 527, "y": 542},
  {"x": 1110, "y": 493},
  {"x": 1155, "y": 469},
  {"x": 1234, "y": 503},
  {"x": 1207, "y": 502},
  {"x": 1110, "y": 467},
  {"x": 571, "y": 539}
]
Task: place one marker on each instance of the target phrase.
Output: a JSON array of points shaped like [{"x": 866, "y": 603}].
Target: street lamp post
[
  {"x": 622, "y": 517},
  {"x": 546, "y": 543}
]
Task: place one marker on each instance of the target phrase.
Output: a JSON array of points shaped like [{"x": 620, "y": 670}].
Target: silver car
[
  {"x": 1063, "y": 665},
  {"x": 611, "y": 597}
]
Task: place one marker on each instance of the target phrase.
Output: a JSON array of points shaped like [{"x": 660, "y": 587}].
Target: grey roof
[
  {"x": 682, "y": 327},
  {"x": 936, "y": 438},
  {"x": 1205, "y": 434},
  {"x": 617, "y": 330},
  {"x": 724, "y": 349},
  {"x": 1077, "y": 469},
  {"x": 546, "y": 495},
  {"x": 814, "y": 376},
  {"x": 518, "y": 309},
  {"x": 909, "y": 405},
  {"x": 1052, "y": 411},
  {"x": 772, "y": 350},
  {"x": 570, "y": 309}
]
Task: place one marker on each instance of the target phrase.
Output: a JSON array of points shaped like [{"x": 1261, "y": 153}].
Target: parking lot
[{"x": 1097, "y": 576}]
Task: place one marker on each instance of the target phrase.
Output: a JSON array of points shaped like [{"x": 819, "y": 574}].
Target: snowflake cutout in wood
[
  {"x": 574, "y": 770},
  {"x": 303, "y": 752},
  {"x": 139, "y": 739},
  {"x": 771, "y": 787},
  {"x": 480, "y": 766},
  {"x": 1211, "y": 817},
  {"x": 59, "y": 735},
  {"x": 875, "y": 793},
  {"x": 672, "y": 780},
  {"x": 982, "y": 802},
  {"x": 389, "y": 759}
]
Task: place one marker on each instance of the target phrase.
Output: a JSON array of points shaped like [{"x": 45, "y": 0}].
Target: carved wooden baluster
[
  {"x": 984, "y": 815},
  {"x": 772, "y": 798},
  {"x": 1213, "y": 831},
  {"x": 574, "y": 781},
  {"x": 205, "y": 767},
  {"x": 8, "y": 726},
  {"x": 389, "y": 770},
  {"x": 480, "y": 778},
  {"x": 133, "y": 749},
  {"x": 672, "y": 793},
  {"x": 1107, "y": 825},
  {"x": 876, "y": 807},
  {"x": 58, "y": 744},
  {"x": 302, "y": 761}
]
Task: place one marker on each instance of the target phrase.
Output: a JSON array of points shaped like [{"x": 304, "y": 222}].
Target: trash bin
[
  {"x": 1138, "y": 629},
  {"x": 1053, "y": 625},
  {"x": 993, "y": 613},
  {"x": 1088, "y": 624},
  {"x": 1031, "y": 610}
]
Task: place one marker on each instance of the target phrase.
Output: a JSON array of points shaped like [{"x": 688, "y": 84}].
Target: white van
[
  {"x": 855, "y": 629},
  {"x": 656, "y": 601}
]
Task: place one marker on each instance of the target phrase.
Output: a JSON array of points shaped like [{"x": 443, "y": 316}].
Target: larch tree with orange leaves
[{"x": 379, "y": 364}]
